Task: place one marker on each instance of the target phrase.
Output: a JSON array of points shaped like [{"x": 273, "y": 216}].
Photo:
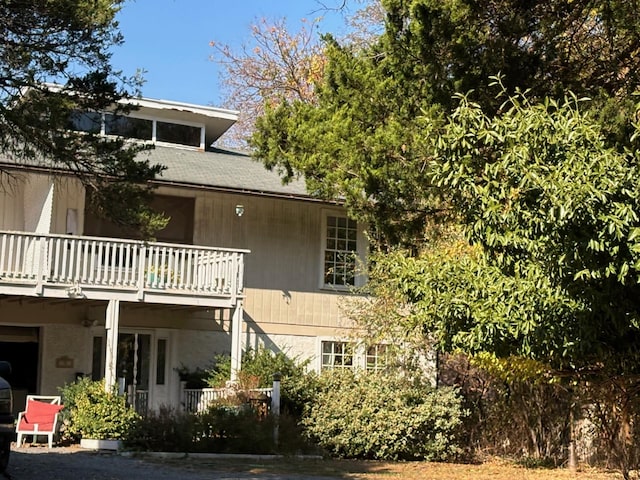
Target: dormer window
[
  {"x": 177, "y": 133},
  {"x": 148, "y": 129},
  {"x": 85, "y": 122},
  {"x": 128, "y": 127}
]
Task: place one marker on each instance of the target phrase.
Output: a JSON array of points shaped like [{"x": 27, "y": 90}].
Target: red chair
[{"x": 40, "y": 418}]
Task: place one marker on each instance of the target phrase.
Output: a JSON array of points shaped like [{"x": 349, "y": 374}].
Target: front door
[{"x": 134, "y": 366}]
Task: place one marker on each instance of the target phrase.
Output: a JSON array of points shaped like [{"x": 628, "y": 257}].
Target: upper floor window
[
  {"x": 148, "y": 129},
  {"x": 86, "y": 122},
  {"x": 128, "y": 127},
  {"x": 340, "y": 250},
  {"x": 176, "y": 133}
]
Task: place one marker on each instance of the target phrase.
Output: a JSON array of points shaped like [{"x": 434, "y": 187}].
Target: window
[
  {"x": 161, "y": 364},
  {"x": 376, "y": 357},
  {"x": 137, "y": 128},
  {"x": 128, "y": 127},
  {"x": 336, "y": 355},
  {"x": 340, "y": 247},
  {"x": 85, "y": 121},
  {"x": 180, "y": 134},
  {"x": 97, "y": 359}
]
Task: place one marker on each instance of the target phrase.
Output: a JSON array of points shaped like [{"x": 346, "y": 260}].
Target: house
[{"x": 244, "y": 261}]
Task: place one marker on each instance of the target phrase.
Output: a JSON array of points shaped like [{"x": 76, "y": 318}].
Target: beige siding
[
  {"x": 11, "y": 203},
  {"x": 282, "y": 272},
  {"x": 283, "y": 236},
  {"x": 313, "y": 310},
  {"x": 69, "y": 195},
  {"x": 37, "y": 204}
]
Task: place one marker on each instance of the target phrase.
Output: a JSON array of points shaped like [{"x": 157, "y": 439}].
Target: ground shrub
[
  {"x": 164, "y": 430},
  {"x": 521, "y": 419},
  {"x": 297, "y": 386},
  {"x": 384, "y": 416},
  {"x": 221, "y": 429},
  {"x": 92, "y": 412}
]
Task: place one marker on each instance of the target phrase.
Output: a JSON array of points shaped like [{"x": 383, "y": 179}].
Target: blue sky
[{"x": 170, "y": 40}]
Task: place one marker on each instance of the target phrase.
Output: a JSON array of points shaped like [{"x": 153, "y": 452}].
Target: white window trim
[
  {"x": 359, "y": 352},
  {"x": 359, "y": 279}
]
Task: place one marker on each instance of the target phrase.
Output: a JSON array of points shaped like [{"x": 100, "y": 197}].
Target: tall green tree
[
  {"x": 547, "y": 262},
  {"x": 359, "y": 142},
  {"x": 549, "y": 257},
  {"x": 69, "y": 42}
]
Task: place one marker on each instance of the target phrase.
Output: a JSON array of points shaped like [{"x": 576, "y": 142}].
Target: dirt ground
[{"x": 71, "y": 463}]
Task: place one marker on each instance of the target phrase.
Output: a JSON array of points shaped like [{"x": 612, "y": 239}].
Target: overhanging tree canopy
[
  {"x": 550, "y": 215},
  {"x": 360, "y": 141},
  {"x": 69, "y": 42}
]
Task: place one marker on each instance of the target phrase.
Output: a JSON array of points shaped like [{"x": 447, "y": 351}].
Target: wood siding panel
[
  {"x": 304, "y": 309},
  {"x": 69, "y": 194},
  {"x": 11, "y": 201},
  {"x": 283, "y": 236}
]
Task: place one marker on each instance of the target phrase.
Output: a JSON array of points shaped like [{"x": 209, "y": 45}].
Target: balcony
[{"x": 65, "y": 266}]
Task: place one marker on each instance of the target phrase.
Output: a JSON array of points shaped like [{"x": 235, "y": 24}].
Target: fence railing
[
  {"x": 198, "y": 400},
  {"x": 80, "y": 262}
]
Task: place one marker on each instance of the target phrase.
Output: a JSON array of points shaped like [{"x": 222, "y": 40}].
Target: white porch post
[
  {"x": 236, "y": 341},
  {"x": 111, "y": 325}
]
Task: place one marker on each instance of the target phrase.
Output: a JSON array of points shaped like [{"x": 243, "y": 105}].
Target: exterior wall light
[{"x": 239, "y": 210}]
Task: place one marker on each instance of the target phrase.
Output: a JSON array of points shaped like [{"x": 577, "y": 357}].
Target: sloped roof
[{"x": 222, "y": 169}]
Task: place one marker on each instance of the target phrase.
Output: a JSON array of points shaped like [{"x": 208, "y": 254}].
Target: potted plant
[
  {"x": 100, "y": 419},
  {"x": 161, "y": 276}
]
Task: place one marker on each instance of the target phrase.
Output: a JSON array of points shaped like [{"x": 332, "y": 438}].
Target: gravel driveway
[{"x": 61, "y": 463}]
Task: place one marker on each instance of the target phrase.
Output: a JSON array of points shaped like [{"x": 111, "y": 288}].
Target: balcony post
[
  {"x": 236, "y": 341},
  {"x": 111, "y": 359}
]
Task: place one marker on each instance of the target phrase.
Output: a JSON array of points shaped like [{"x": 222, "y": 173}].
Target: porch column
[
  {"x": 236, "y": 341},
  {"x": 111, "y": 325}
]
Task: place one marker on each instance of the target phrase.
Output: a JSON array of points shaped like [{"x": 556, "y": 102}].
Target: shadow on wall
[{"x": 256, "y": 337}]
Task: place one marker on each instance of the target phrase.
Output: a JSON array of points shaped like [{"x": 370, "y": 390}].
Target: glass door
[{"x": 134, "y": 364}]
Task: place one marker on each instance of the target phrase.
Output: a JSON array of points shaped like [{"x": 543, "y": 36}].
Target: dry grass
[{"x": 369, "y": 470}]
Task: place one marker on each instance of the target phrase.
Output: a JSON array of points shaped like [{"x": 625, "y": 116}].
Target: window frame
[
  {"x": 154, "y": 121},
  {"x": 358, "y": 279},
  {"x": 380, "y": 360},
  {"x": 336, "y": 341}
]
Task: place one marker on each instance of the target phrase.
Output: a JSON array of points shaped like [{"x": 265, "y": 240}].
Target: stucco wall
[{"x": 64, "y": 350}]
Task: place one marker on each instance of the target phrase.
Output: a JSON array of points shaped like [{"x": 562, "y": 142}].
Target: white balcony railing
[{"x": 81, "y": 263}]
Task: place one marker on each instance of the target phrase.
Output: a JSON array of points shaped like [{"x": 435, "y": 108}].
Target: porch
[
  {"x": 65, "y": 266},
  {"x": 78, "y": 268}
]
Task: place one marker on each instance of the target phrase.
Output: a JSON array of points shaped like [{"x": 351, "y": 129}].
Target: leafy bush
[
  {"x": 367, "y": 415},
  {"x": 193, "y": 378},
  {"x": 515, "y": 411},
  {"x": 297, "y": 387},
  {"x": 221, "y": 429},
  {"x": 165, "y": 430},
  {"x": 92, "y": 412}
]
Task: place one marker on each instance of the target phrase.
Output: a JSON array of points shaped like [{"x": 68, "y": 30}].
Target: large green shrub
[
  {"x": 164, "y": 430},
  {"x": 92, "y": 412},
  {"x": 297, "y": 386},
  {"x": 369, "y": 415},
  {"x": 221, "y": 429}
]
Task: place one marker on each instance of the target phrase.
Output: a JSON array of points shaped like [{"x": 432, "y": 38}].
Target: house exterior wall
[
  {"x": 285, "y": 307},
  {"x": 38, "y": 204},
  {"x": 11, "y": 202},
  {"x": 284, "y": 239},
  {"x": 68, "y": 210}
]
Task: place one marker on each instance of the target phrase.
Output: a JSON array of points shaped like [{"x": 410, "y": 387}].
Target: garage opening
[{"x": 19, "y": 345}]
